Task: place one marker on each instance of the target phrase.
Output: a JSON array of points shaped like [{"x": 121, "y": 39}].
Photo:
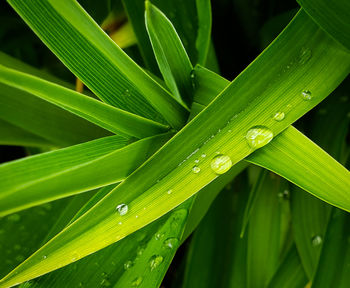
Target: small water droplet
[
  {"x": 128, "y": 264},
  {"x": 196, "y": 169},
  {"x": 196, "y": 161},
  {"x": 316, "y": 240},
  {"x": 155, "y": 261},
  {"x": 193, "y": 79},
  {"x": 136, "y": 216},
  {"x": 14, "y": 218},
  {"x": 126, "y": 93},
  {"x": 105, "y": 283},
  {"x": 159, "y": 236},
  {"x": 169, "y": 191},
  {"x": 75, "y": 256},
  {"x": 120, "y": 223},
  {"x": 140, "y": 250},
  {"x": 279, "y": 116},
  {"x": 305, "y": 55},
  {"x": 306, "y": 95},
  {"x": 122, "y": 209},
  {"x": 259, "y": 136},
  {"x": 171, "y": 243},
  {"x": 204, "y": 155},
  {"x": 284, "y": 194},
  {"x": 137, "y": 281},
  {"x": 220, "y": 164},
  {"x": 229, "y": 131},
  {"x": 44, "y": 257}
]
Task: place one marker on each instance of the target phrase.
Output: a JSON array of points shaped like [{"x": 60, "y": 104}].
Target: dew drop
[
  {"x": 306, "y": 95},
  {"x": 279, "y": 116},
  {"x": 171, "y": 243},
  {"x": 105, "y": 283},
  {"x": 220, "y": 164},
  {"x": 159, "y": 236},
  {"x": 204, "y": 155},
  {"x": 259, "y": 136},
  {"x": 128, "y": 264},
  {"x": 155, "y": 261},
  {"x": 196, "y": 161},
  {"x": 44, "y": 257},
  {"x": 196, "y": 169},
  {"x": 122, "y": 209},
  {"x": 137, "y": 282},
  {"x": 316, "y": 240},
  {"x": 305, "y": 55},
  {"x": 75, "y": 256},
  {"x": 126, "y": 93},
  {"x": 140, "y": 250},
  {"x": 169, "y": 191}
]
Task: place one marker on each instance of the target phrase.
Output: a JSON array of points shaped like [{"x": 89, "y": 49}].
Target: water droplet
[
  {"x": 284, "y": 194},
  {"x": 193, "y": 79},
  {"x": 196, "y": 169},
  {"x": 306, "y": 95},
  {"x": 316, "y": 240},
  {"x": 171, "y": 243},
  {"x": 220, "y": 164},
  {"x": 136, "y": 216},
  {"x": 305, "y": 55},
  {"x": 105, "y": 283},
  {"x": 229, "y": 131},
  {"x": 126, "y": 93},
  {"x": 128, "y": 264},
  {"x": 259, "y": 136},
  {"x": 122, "y": 209},
  {"x": 169, "y": 191},
  {"x": 120, "y": 223},
  {"x": 159, "y": 236},
  {"x": 14, "y": 218},
  {"x": 44, "y": 257},
  {"x": 204, "y": 155},
  {"x": 137, "y": 281},
  {"x": 140, "y": 250},
  {"x": 155, "y": 261},
  {"x": 196, "y": 161},
  {"x": 279, "y": 116}
]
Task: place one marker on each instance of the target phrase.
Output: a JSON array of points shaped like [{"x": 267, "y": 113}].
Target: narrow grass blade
[
  {"x": 264, "y": 231},
  {"x": 71, "y": 170},
  {"x": 250, "y": 105},
  {"x": 332, "y": 16},
  {"x": 216, "y": 256},
  {"x": 203, "y": 40},
  {"x": 335, "y": 253},
  {"x": 39, "y": 117},
  {"x": 170, "y": 53},
  {"x": 111, "y": 118},
  {"x": 13, "y": 135},
  {"x": 290, "y": 273},
  {"x": 95, "y": 59}
]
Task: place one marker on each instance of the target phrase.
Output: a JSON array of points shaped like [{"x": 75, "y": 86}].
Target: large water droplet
[
  {"x": 305, "y": 55},
  {"x": 306, "y": 95},
  {"x": 122, "y": 209},
  {"x": 220, "y": 164},
  {"x": 128, "y": 264},
  {"x": 279, "y": 116},
  {"x": 155, "y": 261},
  {"x": 316, "y": 240},
  {"x": 171, "y": 243},
  {"x": 137, "y": 281},
  {"x": 259, "y": 136},
  {"x": 196, "y": 169}
]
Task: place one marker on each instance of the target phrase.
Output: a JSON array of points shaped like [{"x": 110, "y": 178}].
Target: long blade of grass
[
  {"x": 95, "y": 59},
  {"x": 111, "y": 118},
  {"x": 332, "y": 16},
  {"x": 203, "y": 40},
  {"x": 53, "y": 175},
  {"x": 39, "y": 117},
  {"x": 290, "y": 273},
  {"x": 170, "y": 53},
  {"x": 250, "y": 105},
  {"x": 12, "y": 135}
]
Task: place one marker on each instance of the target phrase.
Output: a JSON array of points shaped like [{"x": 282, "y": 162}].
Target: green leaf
[
  {"x": 171, "y": 55},
  {"x": 334, "y": 264},
  {"x": 53, "y": 175},
  {"x": 40, "y": 118},
  {"x": 290, "y": 273},
  {"x": 95, "y": 59},
  {"x": 275, "y": 87},
  {"x": 203, "y": 40},
  {"x": 106, "y": 116},
  {"x": 12, "y": 135},
  {"x": 332, "y": 16},
  {"x": 264, "y": 231}
]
